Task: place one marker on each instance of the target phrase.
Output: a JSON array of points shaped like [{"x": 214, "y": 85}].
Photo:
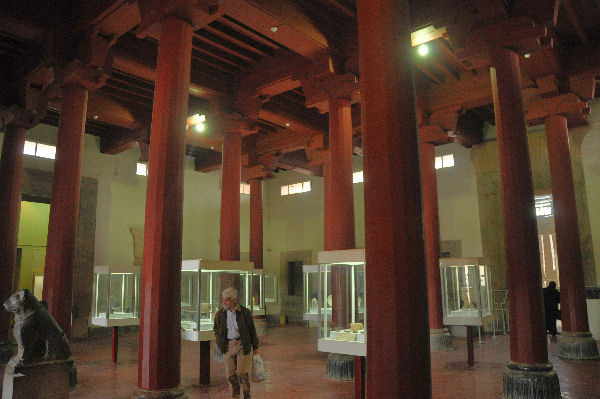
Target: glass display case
[
  {"x": 116, "y": 296},
  {"x": 310, "y": 293},
  {"x": 341, "y": 302},
  {"x": 258, "y": 290},
  {"x": 202, "y": 282},
  {"x": 271, "y": 293},
  {"x": 466, "y": 292}
]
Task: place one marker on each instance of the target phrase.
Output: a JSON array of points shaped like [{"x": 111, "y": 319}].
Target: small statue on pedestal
[{"x": 44, "y": 354}]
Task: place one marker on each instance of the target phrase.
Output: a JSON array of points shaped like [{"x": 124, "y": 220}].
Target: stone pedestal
[
  {"x": 440, "y": 340},
  {"x": 340, "y": 367},
  {"x": 261, "y": 327},
  {"x": 6, "y": 352},
  {"x": 47, "y": 380},
  {"x": 577, "y": 346},
  {"x": 530, "y": 381}
]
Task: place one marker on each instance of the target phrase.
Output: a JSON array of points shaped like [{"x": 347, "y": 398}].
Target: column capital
[
  {"x": 433, "y": 134},
  {"x": 195, "y": 12},
  {"x": 322, "y": 88},
  {"x": 568, "y": 105},
  {"x": 519, "y": 33},
  {"x": 231, "y": 120}
]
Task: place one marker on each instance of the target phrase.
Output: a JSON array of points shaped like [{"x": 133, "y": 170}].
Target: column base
[
  {"x": 440, "y": 340},
  {"x": 171, "y": 393},
  {"x": 577, "y": 346},
  {"x": 6, "y": 352},
  {"x": 530, "y": 381},
  {"x": 340, "y": 367}
]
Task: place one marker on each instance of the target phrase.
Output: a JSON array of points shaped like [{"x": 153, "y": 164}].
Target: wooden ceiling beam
[
  {"x": 343, "y": 8},
  {"x": 234, "y": 40},
  {"x": 225, "y": 47},
  {"x": 295, "y": 30},
  {"x": 118, "y": 140},
  {"x": 574, "y": 20}
]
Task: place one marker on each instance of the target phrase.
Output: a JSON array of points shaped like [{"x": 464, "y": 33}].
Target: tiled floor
[{"x": 296, "y": 370}]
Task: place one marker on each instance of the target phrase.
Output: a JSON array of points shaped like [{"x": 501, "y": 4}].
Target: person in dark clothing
[
  {"x": 551, "y": 301},
  {"x": 236, "y": 337}
]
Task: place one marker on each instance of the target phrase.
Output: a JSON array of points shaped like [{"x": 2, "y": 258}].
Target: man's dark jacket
[{"x": 245, "y": 327}]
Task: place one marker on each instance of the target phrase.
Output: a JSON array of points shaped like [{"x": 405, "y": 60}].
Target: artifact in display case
[
  {"x": 202, "y": 282},
  {"x": 466, "y": 292},
  {"x": 341, "y": 302},
  {"x": 258, "y": 290},
  {"x": 116, "y": 296},
  {"x": 270, "y": 288}
]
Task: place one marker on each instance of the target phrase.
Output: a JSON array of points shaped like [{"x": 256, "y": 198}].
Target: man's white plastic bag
[{"x": 258, "y": 369}]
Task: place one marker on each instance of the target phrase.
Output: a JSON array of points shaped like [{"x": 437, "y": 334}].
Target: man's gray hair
[{"x": 230, "y": 293}]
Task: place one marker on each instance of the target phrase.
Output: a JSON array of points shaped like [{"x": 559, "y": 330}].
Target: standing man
[
  {"x": 236, "y": 338},
  {"x": 551, "y": 312}
]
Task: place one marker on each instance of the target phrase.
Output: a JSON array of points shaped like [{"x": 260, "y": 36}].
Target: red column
[
  {"x": 339, "y": 228},
  {"x": 527, "y": 338},
  {"x": 395, "y": 253},
  {"x": 573, "y": 305},
  {"x": 64, "y": 208},
  {"x": 160, "y": 324},
  {"x": 340, "y": 206},
  {"x": 11, "y": 168},
  {"x": 256, "y": 223},
  {"x": 432, "y": 235},
  {"x": 230, "y": 196},
  {"x": 326, "y": 196}
]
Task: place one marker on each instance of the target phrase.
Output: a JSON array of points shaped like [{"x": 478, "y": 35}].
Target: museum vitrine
[
  {"x": 466, "y": 292},
  {"x": 116, "y": 296},
  {"x": 341, "y": 302},
  {"x": 310, "y": 274},
  {"x": 271, "y": 293},
  {"x": 258, "y": 290},
  {"x": 202, "y": 282}
]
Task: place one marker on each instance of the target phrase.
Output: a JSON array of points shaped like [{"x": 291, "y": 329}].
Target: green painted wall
[{"x": 33, "y": 232}]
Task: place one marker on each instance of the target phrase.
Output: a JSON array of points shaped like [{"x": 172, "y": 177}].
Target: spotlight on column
[{"x": 423, "y": 50}]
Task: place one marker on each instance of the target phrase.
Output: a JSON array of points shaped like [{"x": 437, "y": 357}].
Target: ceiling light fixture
[
  {"x": 527, "y": 55},
  {"x": 274, "y": 28},
  {"x": 423, "y": 50},
  {"x": 287, "y": 124}
]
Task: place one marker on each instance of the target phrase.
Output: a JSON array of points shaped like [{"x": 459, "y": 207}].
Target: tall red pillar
[
  {"x": 528, "y": 366},
  {"x": 230, "y": 196},
  {"x": 340, "y": 206},
  {"x": 256, "y": 223},
  {"x": 395, "y": 253},
  {"x": 11, "y": 169},
  {"x": 160, "y": 324},
  {"x": 576, "y": 341},
  {"x": 438, "y": 339},
  {"x": 64, "y": 207}
]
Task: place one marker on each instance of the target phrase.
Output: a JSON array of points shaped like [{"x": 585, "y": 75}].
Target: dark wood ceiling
[{"x": 263, "y": 47}]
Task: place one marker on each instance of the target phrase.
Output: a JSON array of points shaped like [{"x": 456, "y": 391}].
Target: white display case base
[
  {"x": 102, "y": 322},
  {"x": 342, "y": 347}
]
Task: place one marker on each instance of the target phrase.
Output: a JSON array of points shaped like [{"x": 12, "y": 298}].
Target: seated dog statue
[{"x": 38, "y": 335}]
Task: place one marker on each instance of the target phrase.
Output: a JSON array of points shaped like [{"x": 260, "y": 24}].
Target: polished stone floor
[{"x": 296, "y": 370}]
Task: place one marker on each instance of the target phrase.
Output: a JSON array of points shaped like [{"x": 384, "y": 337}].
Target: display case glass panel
[
  {"x": 258, "y": 290},
  {"x": 116, "y": 296},
  {"x": 270, "y": 288},
  {"x": 341, "y": 302},
  {"x": 310, "y": 274},
  {"x": 202, "y": 282},
  {"x": 466, "y": 292}
]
